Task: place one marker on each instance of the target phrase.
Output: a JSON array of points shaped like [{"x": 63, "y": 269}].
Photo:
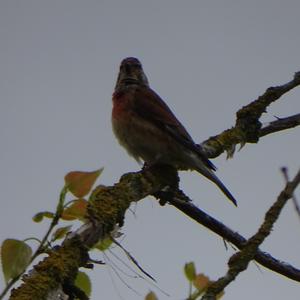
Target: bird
[{"x": 150, "y": 132}]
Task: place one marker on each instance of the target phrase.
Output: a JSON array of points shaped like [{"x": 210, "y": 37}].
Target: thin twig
[
  {"x": 280, "y": 124},
  {"x": 295, "y": 202}
]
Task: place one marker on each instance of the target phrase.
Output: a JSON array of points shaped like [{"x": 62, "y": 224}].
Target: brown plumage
[{"x": 149, "y": 131}]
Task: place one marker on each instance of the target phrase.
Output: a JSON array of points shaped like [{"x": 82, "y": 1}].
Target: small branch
[
  {"x": 240, "y": 260},
  {"x": 248, "y": 128},
  {"x": 280, "y": 124},
  {"x": 295, "y": 202},
  {"x": 184, "y": 204}
]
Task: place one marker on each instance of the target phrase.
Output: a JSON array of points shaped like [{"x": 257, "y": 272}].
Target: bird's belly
[{"x": 146, "y": 142}]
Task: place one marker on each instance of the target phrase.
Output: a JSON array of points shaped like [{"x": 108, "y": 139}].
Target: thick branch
[
  {"x": 107, "y": 207},
  {"x": 53, "y": 272}
]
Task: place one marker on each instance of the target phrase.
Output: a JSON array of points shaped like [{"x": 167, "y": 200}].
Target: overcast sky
[{"x": 59, "y": 61}]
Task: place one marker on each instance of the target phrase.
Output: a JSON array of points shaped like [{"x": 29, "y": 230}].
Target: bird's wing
[{"x": 151, "y": 107}]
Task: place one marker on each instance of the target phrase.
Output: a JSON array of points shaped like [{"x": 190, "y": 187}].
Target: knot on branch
[{"x": 247, "y": 122}]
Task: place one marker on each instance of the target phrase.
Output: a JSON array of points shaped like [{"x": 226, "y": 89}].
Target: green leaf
[
  {"x": 59, "y": 233},
  {"x": 15, "y": 256},
  {"x": 104, "y": 244},
  {"x": 190, "y": 271},
  {"x": 84, "y": 283},
  {"x": 80, "y": 183},
  {"x": 41, "y": 215},
  {"x": 76, "y": 210}
]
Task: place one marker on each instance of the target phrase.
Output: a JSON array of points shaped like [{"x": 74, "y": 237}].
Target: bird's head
[{"x": 131, "y": 73}]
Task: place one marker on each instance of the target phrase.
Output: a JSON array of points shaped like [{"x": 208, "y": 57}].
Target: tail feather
[{"x": 212, "y": 177}]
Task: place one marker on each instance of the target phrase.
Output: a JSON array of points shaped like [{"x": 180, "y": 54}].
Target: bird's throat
[{"x": 129, "y": 81}]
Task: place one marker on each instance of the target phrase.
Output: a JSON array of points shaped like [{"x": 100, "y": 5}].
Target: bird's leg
[{"x": 168, "y": 192}]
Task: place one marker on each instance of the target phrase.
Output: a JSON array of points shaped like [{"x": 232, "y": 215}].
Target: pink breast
[{"x": 121, "y": 105}]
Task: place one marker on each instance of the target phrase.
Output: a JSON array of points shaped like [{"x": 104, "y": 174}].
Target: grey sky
[{"x": 59, "y": 61}]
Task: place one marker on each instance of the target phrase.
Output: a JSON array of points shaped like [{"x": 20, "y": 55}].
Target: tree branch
[
  {"x": 107, "y": 207},
  {"x": 240, "y": 260},
  {"x": 235, "y": 238},
  {"x": 248, "y": 128},
  {"x": 280, "y": 124},
  {"x": 185, "y": 205}
]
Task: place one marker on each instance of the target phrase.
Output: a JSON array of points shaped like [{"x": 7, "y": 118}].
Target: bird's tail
[{"x": 212, "y": 177}]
